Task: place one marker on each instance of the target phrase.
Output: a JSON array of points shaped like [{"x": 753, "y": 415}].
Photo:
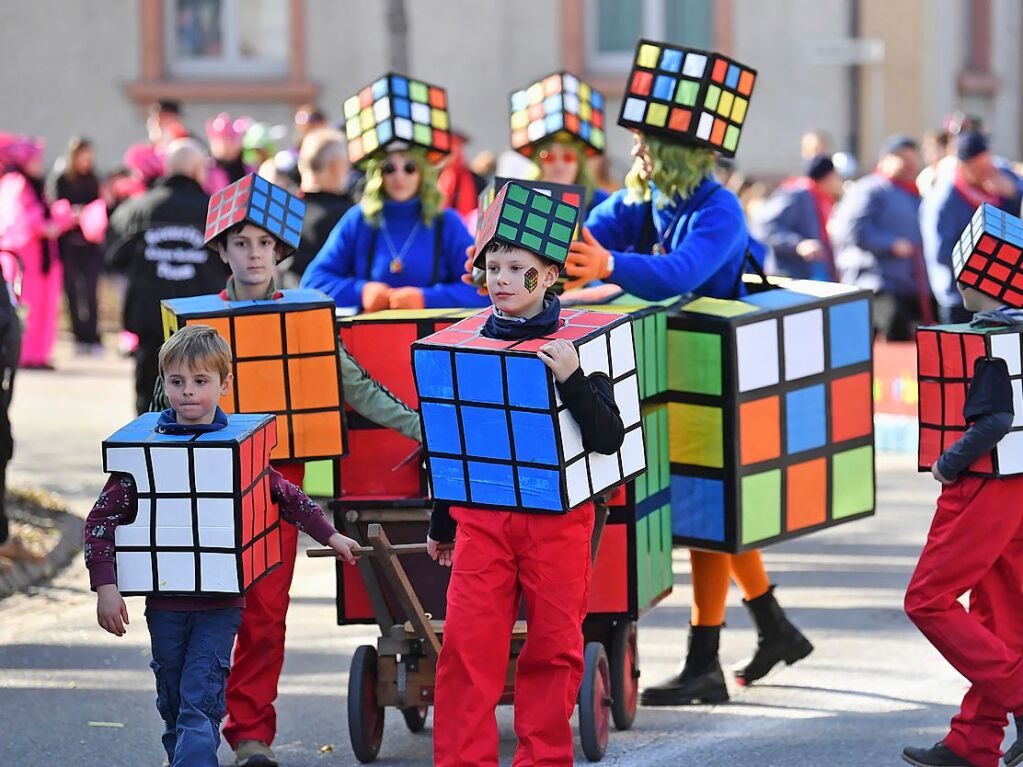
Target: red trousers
[
  {"x": 259, "y": 647},
  {"x": 502, "y": 558},
  {"x": 976, "y": 544}
]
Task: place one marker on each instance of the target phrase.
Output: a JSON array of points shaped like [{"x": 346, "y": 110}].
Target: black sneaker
[{"x": 938, "y": 755}]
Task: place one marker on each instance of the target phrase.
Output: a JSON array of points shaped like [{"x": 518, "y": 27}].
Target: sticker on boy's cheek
[{"x": 532, "y": 277}]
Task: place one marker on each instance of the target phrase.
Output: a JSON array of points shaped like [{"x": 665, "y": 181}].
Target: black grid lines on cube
[{"x": 530, "y": 215}]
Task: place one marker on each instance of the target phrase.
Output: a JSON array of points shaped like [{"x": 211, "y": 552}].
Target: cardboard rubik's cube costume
[
  {"x": 971, "y": 413},
  {"x": 396, "y": 112},
  {"x": 503, "y": 448},
  {"x": 558, "y": 107},
  {"x": 205, "y": 525},
  {"x": 771, "y": 414},
  {"x": 688, "y": 95}
]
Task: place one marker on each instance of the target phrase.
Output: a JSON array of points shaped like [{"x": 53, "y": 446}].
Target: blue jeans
[{"x": 191, "y": 660}]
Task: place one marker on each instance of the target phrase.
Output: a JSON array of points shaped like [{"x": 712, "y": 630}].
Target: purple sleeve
[
  {"x": 116, "y": 503},
  {"x": 299, "y": 509}
]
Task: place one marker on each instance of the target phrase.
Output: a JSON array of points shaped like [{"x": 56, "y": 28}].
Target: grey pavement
[{"x": 872, "y": 686}]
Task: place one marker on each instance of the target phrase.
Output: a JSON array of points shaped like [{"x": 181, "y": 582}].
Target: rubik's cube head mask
[
  {"x": 254, "y": 200},
  {"x": 988, "y": 255},
  {"x": 396, "y": 112},
  {"x": 558, "y": 106},
  {"x": 527, "y": 218},
  {"x": 687, "y": 95}
]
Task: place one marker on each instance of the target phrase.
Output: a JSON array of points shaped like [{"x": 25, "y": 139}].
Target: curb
[{"x": 45, "y": 510}]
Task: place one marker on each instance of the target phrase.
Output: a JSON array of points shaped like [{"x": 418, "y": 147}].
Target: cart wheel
[
  {"x": 365, "y": 716},
  {"x": 594, "y": 703},
  {"x": 415, "y": 717},
  {"x": 624, "y": 663}
]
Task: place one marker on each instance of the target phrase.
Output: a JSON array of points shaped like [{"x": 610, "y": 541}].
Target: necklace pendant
[
  {"x": 396, "y": 266},
  {"x": 658, "y": 250}
]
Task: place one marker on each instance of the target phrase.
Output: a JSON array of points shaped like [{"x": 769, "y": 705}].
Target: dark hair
[
  {"x": 234, "y": 229},
  {"x": 503, "y": 246},
  {"x": 166, "y": 105},
  {"x": 75, "y": 146}
]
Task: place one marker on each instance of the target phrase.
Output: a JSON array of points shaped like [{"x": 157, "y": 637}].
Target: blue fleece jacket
[
  {"x": 339, "y": 269},
  {"x": 704, "y": 252},
  {"x": 872, "y": 215},
  {"x": 785, "y": 219}
]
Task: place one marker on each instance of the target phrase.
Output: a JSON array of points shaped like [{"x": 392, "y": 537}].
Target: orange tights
[{"x": 711, "y": 573}]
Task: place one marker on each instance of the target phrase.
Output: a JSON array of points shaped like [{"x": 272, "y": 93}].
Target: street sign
[{"x": 845, "y": 51}]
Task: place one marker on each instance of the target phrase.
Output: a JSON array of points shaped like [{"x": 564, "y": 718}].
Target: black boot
[
  {"x": 700, "y": 680},
  {"x": 1014, "y": 756},
  {"x": 777, "y": 640},
  {"x": 939, "y": 755}
]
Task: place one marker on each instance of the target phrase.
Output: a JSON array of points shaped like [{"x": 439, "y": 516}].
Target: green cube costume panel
[
  {"x": 530, "y": 219},
  {"x": 770, "y": 414}
]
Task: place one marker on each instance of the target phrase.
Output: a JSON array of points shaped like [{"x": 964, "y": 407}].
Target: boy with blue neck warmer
[{"x": 501, "y": 557}]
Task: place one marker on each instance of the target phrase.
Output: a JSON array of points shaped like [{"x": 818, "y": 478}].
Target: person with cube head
[
  {"x": 398, "y": 248},
  {"x": 687, "y": 106},
  {"x": 287, "y": 361},
  {"x": 558, "y": 123},
  {"x": 521, "y": 432},
  {"x": 971, "y": 440},
  {"x": 190, "y": 518}
]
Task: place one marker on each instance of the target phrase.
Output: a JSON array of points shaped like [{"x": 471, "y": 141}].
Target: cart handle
[{"x": 397, "y": 549}]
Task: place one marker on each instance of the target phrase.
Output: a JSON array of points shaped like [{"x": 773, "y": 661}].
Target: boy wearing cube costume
[
  {"x": 970, "y": 440},
  {"x": 520, "y": 495},
  {"x": 686, "y": 106},
  {"x": 287, "y": 361},
  {"x": 190, "y": 518}
]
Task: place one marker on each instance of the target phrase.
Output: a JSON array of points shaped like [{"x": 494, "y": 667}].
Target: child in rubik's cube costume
[
  {"x": 521, "y": 431},
  {"x": 970, "y": 440},
  {"x": 558, "y": 123},
  {"x": 397, "y": 249},
  {"x": 190, "y": 518},
  {"x": 675, "y": 230},
  {"x": 287, "y": 361}
]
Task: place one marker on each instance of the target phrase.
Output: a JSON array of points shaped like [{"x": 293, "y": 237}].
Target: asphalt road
[{"x": 72, "y": 695}]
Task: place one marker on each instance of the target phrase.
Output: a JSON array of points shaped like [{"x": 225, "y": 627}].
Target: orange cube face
[
  {"x": 260, "y": 386},
  {"x": 257, "y": 335},
  {"x": 311, "y": 332},
  {"x": 317, "y": 433},
  {"x": 312, "y": 383}
]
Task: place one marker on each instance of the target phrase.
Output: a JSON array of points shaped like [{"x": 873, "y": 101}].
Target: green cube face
[
  {"x": 688, "y": 90},
  {"x": 418, "y": 91},
  {"x": 852, "y": 482},
  {"x": 694, "y": 362},
  {"x": 761, "y": 506}
]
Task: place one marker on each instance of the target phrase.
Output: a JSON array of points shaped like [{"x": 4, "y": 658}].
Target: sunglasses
[
  {"x": 548, "y": 158},
  {"x": 409, "y": 167}
]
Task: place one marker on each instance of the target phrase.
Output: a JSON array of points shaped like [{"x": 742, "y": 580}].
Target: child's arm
[
  {"x": 300, "y": 510},
  {"x": 371, "y": 399},
  {"x": 590, "y": 399},
  {"x": 442, "y": 530},
  {"x": 989, "y": 413},
  {"x": 116, "y": 503}
]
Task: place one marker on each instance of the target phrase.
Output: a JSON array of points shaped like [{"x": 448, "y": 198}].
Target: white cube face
[
  {"x": 420, "y": 113},
  {"x": 1017, "y": 402},
  {"x": 819, "y": 289},
  {"x": 175, "y": 571},
  {"x": 174, "y": 522},
  {"x": 130, "y": 460},
  {"x": 1006, "y": 347},
  {"x": 757, "y": 350},
  {"x": 571, "y": 436},
  {"x": 633, "y": 452},
  {"x": 604, "y": 471},
  {"x": 593, "y": 357},
  {"x": 216, "y": 522},
  {"x": 578, "y": 483},
  {"x": 382, "y": 110},
  {"x": 535, "y": 130},
  {"x": 403, "y": 128},
  {"x": 134, "y": 571},
  {"x": 170, "y": 469},
  {"x": 1010, "y": 453},
  {"x": 214, "y": 470},
  {"x": 626, "y": 395},
  {"x": 623, "y": 356},
  {"x": 219, "y": 572},
  {"x": 139, "y": 532},
  {"x": 804, "y": 344}
]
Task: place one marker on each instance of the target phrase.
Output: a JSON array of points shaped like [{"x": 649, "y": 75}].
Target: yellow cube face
[{"x": 696, "y": 435}]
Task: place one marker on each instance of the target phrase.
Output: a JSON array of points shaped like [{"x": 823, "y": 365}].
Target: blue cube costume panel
[
  {"x": 495, "y": 430},
  {"x": 206, "y": 525}
]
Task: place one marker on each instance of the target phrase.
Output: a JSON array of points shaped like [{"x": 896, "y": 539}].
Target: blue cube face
[
  {"x": 479, "y": 378},
  {"x": 528, "y": 384},
  {"x": 805, "y": 416},
  {"x": 540, "y": 488},
  {"x": 433, "y": 374},
  {"x": 486, "y": 435},
  {"x": 491, "y": 483},
  {"x": 698, "y": 508},
  {"x": 441, "y": 428},
  {"x": 448, "y": 478},
  {"x": 534, "y": 438},
  {"x": 850, "y": 333}
]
